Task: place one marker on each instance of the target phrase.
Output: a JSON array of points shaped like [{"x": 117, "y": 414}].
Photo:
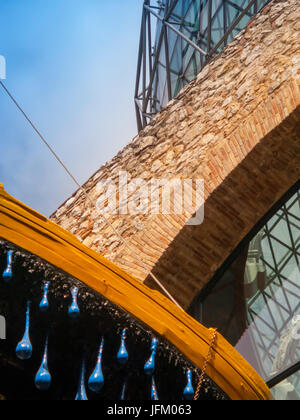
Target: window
[{"x": 256, "y": 302}]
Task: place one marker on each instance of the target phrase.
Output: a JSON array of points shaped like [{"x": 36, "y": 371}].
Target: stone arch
[{"x": 250, "y": 190}]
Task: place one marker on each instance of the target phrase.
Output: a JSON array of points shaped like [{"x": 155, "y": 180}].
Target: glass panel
[
  {"x": 289, "y": 389},
  {"x": 256, "y": 304},
  {"x": 191, "y": 17}
]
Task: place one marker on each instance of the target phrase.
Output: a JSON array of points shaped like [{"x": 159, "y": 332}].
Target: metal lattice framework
[
  {"x": 273, "y": 310},
  {"x": 178, "y": 38}
]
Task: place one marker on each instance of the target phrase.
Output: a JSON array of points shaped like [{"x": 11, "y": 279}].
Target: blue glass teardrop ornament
[
  {"x": 74, "y": 311},
  {"x": 154, "y": 394},
  {"x": 7, "y": 274},
  {"x": 81, "y": 393},
  {"x": 123, "y": 354},
  {"x": 96, "y": 380},
  {"x": 24, "y": 348},
  {"x": 189, "y": 392},
  {"x": 43, "y": 377},
  {"x": 44, "y": 305},
  {"x": 149, "y": 367},
  {"x": 123, "y": 394}
]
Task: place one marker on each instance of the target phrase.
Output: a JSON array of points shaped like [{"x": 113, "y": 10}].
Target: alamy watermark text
[{"x": 155, "y": 196}]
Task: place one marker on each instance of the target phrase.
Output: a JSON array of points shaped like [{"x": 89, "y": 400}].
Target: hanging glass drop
[
  {"x": 74, "y": 311},
  {"x": 189, "y": 392},
  {"x": 96, "y": 380},
  {"x": 123, "y": 394},
  {"x": 44, "y": 305},
  {"x": 24, "y": 348},
  {"x": 43, "y": 377},
  {"x": 149, "y": 367},
  {"x": 154, "y": 395},
  {"x": 81, "y": 393},
  {"x": 7, "y": 274},
  {"x": 123, "y": 354}
]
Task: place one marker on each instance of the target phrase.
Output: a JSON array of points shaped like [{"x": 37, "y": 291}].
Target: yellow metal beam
[{"x": 33, "y": 232}]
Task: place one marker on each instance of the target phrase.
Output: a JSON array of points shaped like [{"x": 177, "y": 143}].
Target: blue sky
[{"x": 71, "y": 65}]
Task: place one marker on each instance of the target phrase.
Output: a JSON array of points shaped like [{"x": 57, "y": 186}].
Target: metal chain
[{"x": 207, "y": 360}]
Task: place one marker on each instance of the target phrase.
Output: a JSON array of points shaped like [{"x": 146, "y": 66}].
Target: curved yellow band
[{"x": 33, "y": 232}]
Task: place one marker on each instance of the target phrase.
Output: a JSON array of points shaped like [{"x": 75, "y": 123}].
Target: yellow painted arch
[{"x": 35, "y": 233}]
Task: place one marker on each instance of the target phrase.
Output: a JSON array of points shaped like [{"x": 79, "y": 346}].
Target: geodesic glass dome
[{"x": 178, "y": 38}]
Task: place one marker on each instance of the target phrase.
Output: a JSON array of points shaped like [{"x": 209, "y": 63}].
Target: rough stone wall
[{"x": 237, "y": 127}]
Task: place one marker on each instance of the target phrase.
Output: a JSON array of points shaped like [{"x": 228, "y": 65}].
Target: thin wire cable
[{"x": 87, "y": 196}]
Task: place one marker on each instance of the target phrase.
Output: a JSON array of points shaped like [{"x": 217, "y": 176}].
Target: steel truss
[{"x": 178, "y": 38}]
